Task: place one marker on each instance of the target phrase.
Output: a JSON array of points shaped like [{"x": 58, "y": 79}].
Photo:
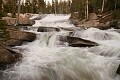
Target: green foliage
[
  {"x": 1, "y": 2},
  {"x": 116, "y": 14},
  {"x": 4, "y": 35},
  {"x": 62, "y": 7}
]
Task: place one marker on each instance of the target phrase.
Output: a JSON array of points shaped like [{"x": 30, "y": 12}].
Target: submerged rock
[
  {"x": 71, "y": 28},
  {"x": 79, "y": 42},
  {"x": 115, "y": 24},
  {"x": 48, "y": 29}
]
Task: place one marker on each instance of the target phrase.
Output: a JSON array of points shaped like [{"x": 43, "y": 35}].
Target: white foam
[{"x": 53, "y": 20}]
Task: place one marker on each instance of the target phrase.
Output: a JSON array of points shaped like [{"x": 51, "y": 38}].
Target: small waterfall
[
  {"x": 54, "y": 21},
  {"x": 96, "y": 34},
  {"x": 50, "y": 58}
]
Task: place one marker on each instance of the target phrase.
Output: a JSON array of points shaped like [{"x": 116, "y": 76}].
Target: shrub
[{"x": 4, "y": 35}]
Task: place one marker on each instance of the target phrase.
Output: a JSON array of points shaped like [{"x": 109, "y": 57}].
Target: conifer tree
[{"x": 1, "y": 2}]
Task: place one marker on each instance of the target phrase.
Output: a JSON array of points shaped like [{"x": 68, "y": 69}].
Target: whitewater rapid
[
  {"x": 49, "y": 58},
  {"x": 51, "y": 20}
]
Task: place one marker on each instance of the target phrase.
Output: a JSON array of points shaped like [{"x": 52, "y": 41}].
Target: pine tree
[
  {"x": 49, "y": 8},
  {"x": 53, "y": 6},
  {"x": 1, "y": 2},
  {"x": 41, "y": 6},
  {"x": 4, "y": 35}
]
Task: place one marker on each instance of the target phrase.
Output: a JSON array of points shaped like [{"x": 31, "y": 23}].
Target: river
[{"x": 48, "y": 58}]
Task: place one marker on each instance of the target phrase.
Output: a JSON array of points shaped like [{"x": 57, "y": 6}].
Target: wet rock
[
  {"x": 17, "y": 55},
  {"x": 71, "y": 28},
  {"x": 17, "y": 37},
  {"x": 104, "y": 26},
  {"x": 116, "y": 30},
  {"x": 79, "y": 42},
  {"x": 115, "y": 24},
  {"x": 13, "y": 42},
  {"x": 6, "y": 57},
  {"x": 48, "y": 29},
  {"x": 21, "y": 35},
  {"x": 118, "y": 70}
]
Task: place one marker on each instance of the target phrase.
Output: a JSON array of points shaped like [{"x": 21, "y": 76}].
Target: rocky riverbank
[
  {"x": 102, "y": 21},
  {"x": 16, "y": 38}
]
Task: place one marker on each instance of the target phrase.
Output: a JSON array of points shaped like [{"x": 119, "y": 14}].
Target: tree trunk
[
  {"x": 103, "y": 4},
  {"x": 18, "y": 11},
  {"x": 87, "y": 9},
  {"x": 115, "y": 5}
]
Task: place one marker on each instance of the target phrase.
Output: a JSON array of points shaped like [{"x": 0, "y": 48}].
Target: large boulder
[
  {"x": 103, "y": 26},
  {"x": 71, "y": 28},
  {"x": 48, "y": 29},
  {"x": 17, "y": 37},
  {"x": 79, "y": 42},
  {"x": 10, "y": 21},
  {"x": 115, "y": 24},
  {"x": 92, "y": 16},
  {"x": 24, "y": 19},
  {"x": 6, "y": 57}
]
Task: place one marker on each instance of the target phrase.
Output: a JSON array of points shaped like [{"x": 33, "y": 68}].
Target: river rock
[
  {"x": 71, "y": 28},
  {"x": 92, "y": 16},
  {"x": 48, "y": 29},
  {"x": 6, "y": 57},
  {"x": 79, "y": 42},
  {"x": 115, "y": 24},
  {"x": 118, "y": 70},
  {"x": 18, "y": 37}
]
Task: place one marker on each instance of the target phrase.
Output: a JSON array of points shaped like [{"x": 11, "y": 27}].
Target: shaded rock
[
  {"x": 6, "y": 57},
  {"x": 79, "y": 42},
  {"x": 90, "y": 23},
  {"x": 116, "y": 30},
  {"x": 16, "y": 54},
  {"x": 13, "y": 42},
  {"x": 115, "y": 24},
  {"x": 17, "y": 37},
  {"x": 21, "y": 35},
  {"x": 118, "y": 70},
  {"x": 103, "y": 27},
  {"x": 48, "y": 29},
  {"x": 71, "y": 28}
]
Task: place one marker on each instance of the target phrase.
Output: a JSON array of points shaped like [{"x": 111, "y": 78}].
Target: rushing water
[{"x": 48, "y": 58}]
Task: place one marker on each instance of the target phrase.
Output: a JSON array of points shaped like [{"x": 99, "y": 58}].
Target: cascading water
[{"x": 48, "y": 58}]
